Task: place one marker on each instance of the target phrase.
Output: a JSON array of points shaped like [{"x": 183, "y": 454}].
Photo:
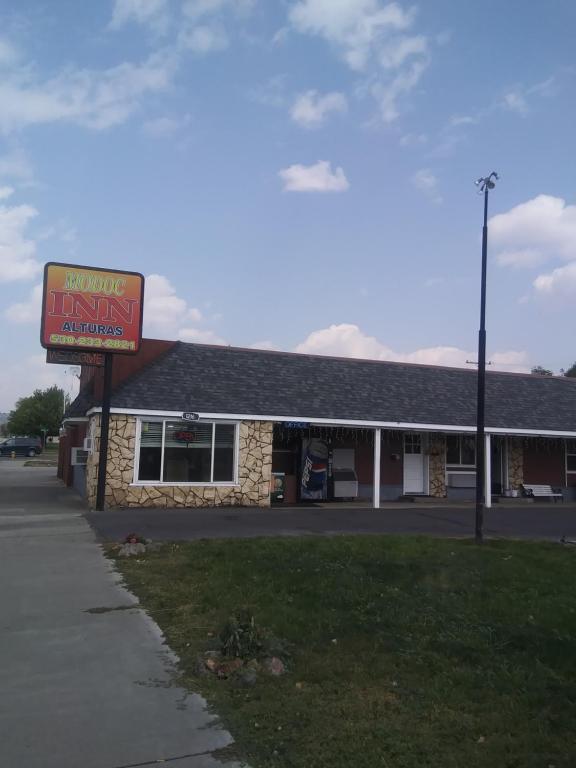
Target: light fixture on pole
[{"x": 484, "y": 185}]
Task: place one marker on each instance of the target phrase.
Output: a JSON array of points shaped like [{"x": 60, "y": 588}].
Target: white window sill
[{"x": 154, "y": 483}]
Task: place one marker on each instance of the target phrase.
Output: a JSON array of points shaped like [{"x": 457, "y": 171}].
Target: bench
[{"x": 541, "y": 492}]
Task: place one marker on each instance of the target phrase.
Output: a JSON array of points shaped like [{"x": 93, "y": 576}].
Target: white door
[{"x": 415, "y": 465}]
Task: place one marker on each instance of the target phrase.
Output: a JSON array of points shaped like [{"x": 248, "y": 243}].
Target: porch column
[
  {"x": 376, "y": 492},
  {"x": 487, "y": 472}
]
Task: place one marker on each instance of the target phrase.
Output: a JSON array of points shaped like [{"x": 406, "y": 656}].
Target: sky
[{"x": 294, "y": 174}]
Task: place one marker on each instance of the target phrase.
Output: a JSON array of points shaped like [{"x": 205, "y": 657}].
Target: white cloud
[
  {"x": 203, "y": 28},
  {"x": 96, "y": 99},
  {"x": 265, "y": 344},
  {"x": 204, "y": 38},
  {"x": 314, "y": 178},
  {"x": 20, "y": 378},
  {"x": 16, "y": 166},
  {"x": 524, "y": 257},
  {"x": 396, "y": 53},
  {"x": 458, "y": 120},
  {"x": 165, "y": 313},
  {"x": 371, "y": 37},
  {"x": 510, "y": 361},
  {"x": 311, "y": 108},
  {"x": 197, "y": 9},
  {"x": 17, "y": 248},
  {"x": 199, "y": 336},
  {"x": 514, "y": 101},
  {"x": 165, "y": 127},
  {"x": 434, "y": 282},
  {"x": 355, "y": 26},
  {"x": 558, "y": 284},
  {"x": 151, "y": 13},
  {"x": 26, "y": 311},
  {"x": 6, "y": 192},
  {"x": 426, "y": 182},
  {"x": 413, "y": 139},
  {"x": 517, "y": 100},
  {"x": 271, "y": 93},
  {"x": 348, "y": 340},
  {"x": 536, "y": 231},
  {"x": 8, "y": 53},
  {"x": 389, "y": 93}
]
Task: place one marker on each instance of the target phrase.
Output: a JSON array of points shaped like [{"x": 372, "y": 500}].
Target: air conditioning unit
[
  {"x": 89, "y": 444},
  {"x": 79, "y": 457},
  {"x": 461, "y": 479}
]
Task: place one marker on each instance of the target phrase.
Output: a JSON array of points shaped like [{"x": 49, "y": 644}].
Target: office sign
[
  {"x": 72, "y": 357},
  {"x": 91, "y": 309}
]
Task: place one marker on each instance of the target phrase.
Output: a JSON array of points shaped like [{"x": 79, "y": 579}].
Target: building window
[
  {"x": 176, "y": 452},
  {"x": 412, "y": 443},
  {"x": 461, "y": 450},
  {"x": 571, "y": 456}
]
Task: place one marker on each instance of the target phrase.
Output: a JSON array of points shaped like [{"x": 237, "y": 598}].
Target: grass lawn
[{"x": 407, "y": 652}]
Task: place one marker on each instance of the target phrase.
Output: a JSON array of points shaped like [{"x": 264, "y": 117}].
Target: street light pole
[{"x": 485, "y": 185}]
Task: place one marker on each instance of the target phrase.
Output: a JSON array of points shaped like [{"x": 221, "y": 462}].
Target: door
[{"x": 415, "y": 465}]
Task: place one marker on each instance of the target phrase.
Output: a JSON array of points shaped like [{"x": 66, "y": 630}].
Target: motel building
[{"x": 196, "y": 425}]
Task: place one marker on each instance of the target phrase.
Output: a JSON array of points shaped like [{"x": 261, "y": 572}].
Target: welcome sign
[{"x": 91, "y": 309}]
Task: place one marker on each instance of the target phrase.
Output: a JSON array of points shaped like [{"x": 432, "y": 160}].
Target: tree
[
  {"x": 571, "y": 371},
  {"x": 39, "y": 414},
  {"x": 539, "y": 371}
]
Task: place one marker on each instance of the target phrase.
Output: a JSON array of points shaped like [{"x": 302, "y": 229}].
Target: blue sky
[{"x": 294, "y": 174}]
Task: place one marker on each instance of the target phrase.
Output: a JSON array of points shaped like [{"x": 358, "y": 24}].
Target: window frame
[
  {"x": 163, "y": 420},
  {"x": 569, "y": 451},
  {"x": 451, "y": 465}
]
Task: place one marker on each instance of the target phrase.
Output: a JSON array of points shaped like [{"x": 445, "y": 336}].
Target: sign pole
[{"x": 104, "y": 426}]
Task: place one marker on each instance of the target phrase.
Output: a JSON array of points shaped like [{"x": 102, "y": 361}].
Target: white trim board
[{"x": 399, "y": 425}]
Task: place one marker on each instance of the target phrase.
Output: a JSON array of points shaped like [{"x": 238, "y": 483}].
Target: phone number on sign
[{"x": 87, "y": 341}]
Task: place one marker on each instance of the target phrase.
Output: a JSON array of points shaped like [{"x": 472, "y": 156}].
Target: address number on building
[{"x": 191, "y": 416}]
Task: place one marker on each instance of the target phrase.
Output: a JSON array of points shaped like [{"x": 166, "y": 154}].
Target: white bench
[{"x": 541, "y": 492}]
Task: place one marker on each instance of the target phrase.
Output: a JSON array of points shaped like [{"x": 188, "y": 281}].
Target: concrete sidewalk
[{"x": 78, "y": 688}]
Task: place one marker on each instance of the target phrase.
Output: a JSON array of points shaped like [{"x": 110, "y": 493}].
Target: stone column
[
  {"x": 437, "y": 465},
  {"x": 92, "y": 462},
  {"x": 515, "y": 462}
]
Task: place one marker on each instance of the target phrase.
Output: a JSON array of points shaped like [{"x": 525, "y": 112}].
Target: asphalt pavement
[
  {"x": 85, "y": 680},
  {"x": 548, "y": 521}
]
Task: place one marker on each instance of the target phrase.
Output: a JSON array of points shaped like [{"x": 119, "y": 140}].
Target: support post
[
  {"x": 488, "y": 472},
  {"x": 481, "y": 395},
  {"x": 377, "y": 446},
  {"x": 104, "y": 427}
]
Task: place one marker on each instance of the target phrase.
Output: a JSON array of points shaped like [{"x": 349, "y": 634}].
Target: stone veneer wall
[
  {"x": 437, "y": 465},
  {"x": 254, "y": 472},
  {"x": 515, "y": 462}
]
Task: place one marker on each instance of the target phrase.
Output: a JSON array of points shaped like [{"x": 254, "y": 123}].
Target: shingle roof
[{"x": 229, "y": 380}]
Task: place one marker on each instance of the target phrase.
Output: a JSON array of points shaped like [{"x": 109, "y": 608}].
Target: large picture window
[
  {"x": 173, "y": 451},
  {"x": 461, "y": 450}
]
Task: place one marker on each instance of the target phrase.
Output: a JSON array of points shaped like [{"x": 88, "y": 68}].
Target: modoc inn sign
[{"x": 90, "y": 308}]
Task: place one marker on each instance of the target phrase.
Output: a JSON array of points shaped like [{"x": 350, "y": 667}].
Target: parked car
[{"x": 22, "y": 446}]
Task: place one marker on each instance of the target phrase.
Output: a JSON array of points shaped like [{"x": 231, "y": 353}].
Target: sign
[
  {"x": 191, "y": 417},
  {"x": 296, "y": 424},
  {"x": 91, "y": 309},
  {"x": 71, "y": 357},
  {"x": 184, "y": 437},
  {"x": 314, "y": 477}
]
